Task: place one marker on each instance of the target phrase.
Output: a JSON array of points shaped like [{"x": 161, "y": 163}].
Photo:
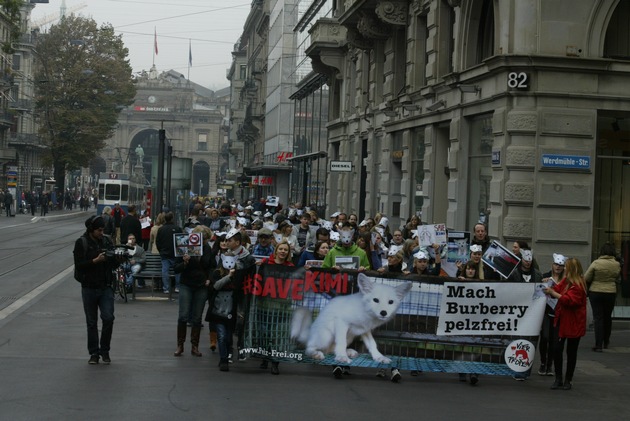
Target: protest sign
[
  {"x": 348, "y": 262},
  {"x": 500, "y": 259},
  {"x": 458, "y": 246},
  {"x": 188, "y": 244},
  {"x": 431, "y": 234}
]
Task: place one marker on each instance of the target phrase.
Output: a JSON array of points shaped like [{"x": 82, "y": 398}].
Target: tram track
[{"x": 46, "y": 248}]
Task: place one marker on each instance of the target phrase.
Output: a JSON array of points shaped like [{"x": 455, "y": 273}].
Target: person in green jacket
[{"x": 346, "y": 247}]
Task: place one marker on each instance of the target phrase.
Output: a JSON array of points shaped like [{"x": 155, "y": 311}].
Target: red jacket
[
  {"x": 271, "y": 261},
  {"x": 570, "y": 310}
]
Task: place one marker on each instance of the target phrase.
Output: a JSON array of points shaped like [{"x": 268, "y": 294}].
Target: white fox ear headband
[{"x": 476, "y": 248}]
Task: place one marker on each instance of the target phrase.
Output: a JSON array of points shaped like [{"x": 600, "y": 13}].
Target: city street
[{"x": 45, "y": 375}]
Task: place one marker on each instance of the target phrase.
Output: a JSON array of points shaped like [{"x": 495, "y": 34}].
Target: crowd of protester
[{"x": 240, "y": 236}]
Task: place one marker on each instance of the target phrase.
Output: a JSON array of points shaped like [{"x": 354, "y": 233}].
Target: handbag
[{"x": 223, "y": 304}]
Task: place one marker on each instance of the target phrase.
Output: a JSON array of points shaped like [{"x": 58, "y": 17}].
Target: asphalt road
[{"x": 44, "y": 373}]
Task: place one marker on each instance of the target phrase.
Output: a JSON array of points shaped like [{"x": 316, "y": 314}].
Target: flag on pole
[
  {"x": 189, "y": 53},
  {"x": 155, "y": 40}
]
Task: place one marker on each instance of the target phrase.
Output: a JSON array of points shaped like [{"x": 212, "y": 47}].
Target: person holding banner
[
  {"x": 221, "y": 314},
  {"x": 346, "y": 247},
  {"x": 483, "y": 271},
  {"x": 395, "y": 262},
  {"x": 364, "y": 241},
  {"x": 319, "y": 252},
  {"x": 525, "y": 272},
  {"x": 245, "y": 265},
  {"x": 470, "y": 272},
  {"x": 281, "y": 256},
  {"x": 421, "y": 262},
  {"x": 548, "y": 334},
  {"x": 570, "y": 319}
]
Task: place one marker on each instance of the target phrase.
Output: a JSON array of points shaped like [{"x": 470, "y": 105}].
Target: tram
[{"x": 117, "y": 187}]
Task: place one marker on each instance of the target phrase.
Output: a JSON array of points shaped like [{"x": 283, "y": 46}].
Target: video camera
[{"x": 118, "y": 252}]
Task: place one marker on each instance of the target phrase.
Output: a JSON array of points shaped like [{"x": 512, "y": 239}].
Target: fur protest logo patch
[{"x": 519, "y": 355}]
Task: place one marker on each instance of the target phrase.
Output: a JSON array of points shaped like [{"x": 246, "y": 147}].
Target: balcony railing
[
  {"x": 21, "y": 104},
  {"x": 25, "y": 139}
]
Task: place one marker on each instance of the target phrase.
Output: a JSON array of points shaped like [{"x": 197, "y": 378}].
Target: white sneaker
[{"x": 395, "y": 375}]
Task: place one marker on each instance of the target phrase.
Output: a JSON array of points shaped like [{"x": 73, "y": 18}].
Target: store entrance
[{"x": 611, "y": 216}]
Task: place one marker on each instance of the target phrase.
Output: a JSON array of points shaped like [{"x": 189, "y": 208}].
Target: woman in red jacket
[
  {"x": 281, "y": 256},
  {"x": 570, "y": 319}
]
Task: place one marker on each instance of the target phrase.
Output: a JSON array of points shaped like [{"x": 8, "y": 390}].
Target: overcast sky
[{"x": 213, "y": 27}]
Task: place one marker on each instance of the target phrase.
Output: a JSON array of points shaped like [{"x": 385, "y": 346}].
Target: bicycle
[{"x": 120, "y": 253}]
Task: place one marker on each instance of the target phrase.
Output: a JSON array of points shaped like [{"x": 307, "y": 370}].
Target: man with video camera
[{"x": 93, "y": 269}]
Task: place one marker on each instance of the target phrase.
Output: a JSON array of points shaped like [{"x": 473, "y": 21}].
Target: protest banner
[{"x": 440, "y": 325}]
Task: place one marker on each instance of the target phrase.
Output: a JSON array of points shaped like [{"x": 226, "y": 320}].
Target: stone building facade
[
  {"x": 510, "y": 112},
  {"x": 190, "y": 114},
  {"x": 262, "y": 114}
]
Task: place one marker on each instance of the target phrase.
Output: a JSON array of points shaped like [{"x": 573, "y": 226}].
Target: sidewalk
[{"x": 20, "y": 218}]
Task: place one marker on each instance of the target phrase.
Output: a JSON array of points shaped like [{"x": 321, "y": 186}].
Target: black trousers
[
  {"x": 572, "y": 348},
  {"x": 603, "y": 304}
]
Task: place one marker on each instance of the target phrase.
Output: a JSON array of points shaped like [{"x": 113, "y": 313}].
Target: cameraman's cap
[
  {"x": 559, "y": 259},
  {"x": 95, "y": 222}
]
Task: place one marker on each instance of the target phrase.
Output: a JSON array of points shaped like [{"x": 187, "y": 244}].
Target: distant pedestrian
[
  {"x": 8, "y": 202},
  {"x": 43, "y": 203},
  {"x": 166, "y": 246},
  {"x": 93, "y": 271},
  {"x": 602, "y": 276},
  {"x": 118, "y": 213}
]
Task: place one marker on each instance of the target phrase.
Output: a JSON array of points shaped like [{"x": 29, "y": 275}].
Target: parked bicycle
[{"x": 121, "y": 254}]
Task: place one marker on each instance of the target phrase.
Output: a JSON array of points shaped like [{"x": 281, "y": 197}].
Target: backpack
[{"x": 78, "y": 276}]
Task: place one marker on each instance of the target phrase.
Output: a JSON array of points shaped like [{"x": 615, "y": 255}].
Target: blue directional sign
[{"x": 566, "y": 161}]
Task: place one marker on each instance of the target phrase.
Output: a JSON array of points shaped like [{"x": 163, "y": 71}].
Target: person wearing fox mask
[
  {"x": 222, "y": 310},
  {"x": 346, "y": 247}
]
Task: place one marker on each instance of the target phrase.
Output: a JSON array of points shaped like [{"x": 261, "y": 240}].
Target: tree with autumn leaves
[{"x": 83, "y": 81}]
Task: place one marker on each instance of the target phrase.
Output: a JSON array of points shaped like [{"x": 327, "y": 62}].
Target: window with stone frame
[{"x": 479, "y": 169}]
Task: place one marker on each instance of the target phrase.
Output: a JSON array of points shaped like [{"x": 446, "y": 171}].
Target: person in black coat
[{"x": 130, "y": 224}]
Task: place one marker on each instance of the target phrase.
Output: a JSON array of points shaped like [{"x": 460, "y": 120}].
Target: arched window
[
  {"x": 617, "y": 43},
  {"x": 480, "y": 30}
]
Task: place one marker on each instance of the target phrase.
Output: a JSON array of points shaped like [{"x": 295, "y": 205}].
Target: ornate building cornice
[
  {"x": 370, "y": 27},
  {"x": 393, "y": 12}
]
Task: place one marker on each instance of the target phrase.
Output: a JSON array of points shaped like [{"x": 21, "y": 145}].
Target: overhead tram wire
[{"x": 185, "y": 15}]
